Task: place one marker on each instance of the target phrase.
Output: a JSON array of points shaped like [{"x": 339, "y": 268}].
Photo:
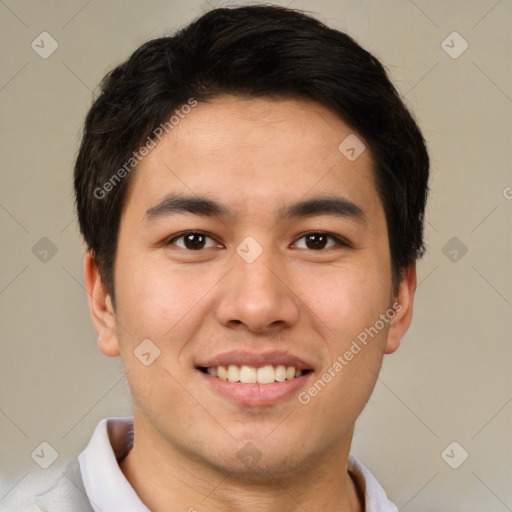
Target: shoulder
[{"x": 49, "y": 491}]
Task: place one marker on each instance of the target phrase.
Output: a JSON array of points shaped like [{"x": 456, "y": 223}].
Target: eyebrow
[{"x": 334, "y": 205}]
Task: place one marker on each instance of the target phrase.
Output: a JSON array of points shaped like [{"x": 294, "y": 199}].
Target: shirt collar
[
  {"x": 106, "y": 486},
  {"x": 374, "y": 495}
]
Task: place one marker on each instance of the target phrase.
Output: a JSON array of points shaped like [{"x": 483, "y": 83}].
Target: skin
[{"x": 254, "y": 156}]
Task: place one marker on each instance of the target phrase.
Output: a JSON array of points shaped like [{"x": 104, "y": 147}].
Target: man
[{"x": 251, "y": 191}]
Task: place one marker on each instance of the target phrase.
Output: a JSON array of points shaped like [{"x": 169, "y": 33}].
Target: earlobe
[
  {"x": 100, "y": 308},
  {"x": 403, "y": 307}
]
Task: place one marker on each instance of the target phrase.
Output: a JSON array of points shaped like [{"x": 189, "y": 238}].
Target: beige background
[{"x": 451, "y": 379}]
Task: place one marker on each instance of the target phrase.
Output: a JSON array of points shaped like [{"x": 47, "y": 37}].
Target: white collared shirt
[{"x": 108, "y": 489}]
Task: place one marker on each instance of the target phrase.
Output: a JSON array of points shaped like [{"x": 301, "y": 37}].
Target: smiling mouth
[{"x": 268, "y": 374}]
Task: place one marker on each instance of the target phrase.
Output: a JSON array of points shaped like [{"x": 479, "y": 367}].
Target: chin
[{"x": 260, "y": 460}]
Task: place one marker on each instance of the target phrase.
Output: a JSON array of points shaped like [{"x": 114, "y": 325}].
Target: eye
[
  {"x": 317, "y": 241},
  {"x": 197, "y": 240},
  {"x": 192, "y": 240}
]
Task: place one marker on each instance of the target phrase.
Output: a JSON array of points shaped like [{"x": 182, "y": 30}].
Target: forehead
[{"x": 254, "y": 152}]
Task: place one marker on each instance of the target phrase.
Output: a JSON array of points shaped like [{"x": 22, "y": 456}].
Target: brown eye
[
  {"x": 318, "y": 241},
  {"x": 192, "y": 241}
]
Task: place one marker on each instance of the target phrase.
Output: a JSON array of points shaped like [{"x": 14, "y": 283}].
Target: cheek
[
  {"x": 358, "y": 298},
  {"x": 355, "y": 346},
  {"x": 348, "y": 299},
  {"x": 160, "y": 301},
  {"x": 155, "y": 303},
  {"x": 150, "y": 299}
]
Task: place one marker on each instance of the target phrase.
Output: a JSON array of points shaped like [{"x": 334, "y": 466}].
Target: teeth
[
  {"x": 248, "y": 374},
  {"x": 233, "y": 373},
  {"x": 252, "y": 375},
  {"x": 266, "y": 375},
  {"x": 280, "y": 373},
  {"x": 222, "y": 372}
]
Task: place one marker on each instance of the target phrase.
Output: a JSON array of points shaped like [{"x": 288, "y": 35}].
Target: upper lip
[{"x": 243, "y": 358}]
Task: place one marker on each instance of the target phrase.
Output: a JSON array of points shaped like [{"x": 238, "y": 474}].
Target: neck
[{"x": 162, "y": 475}]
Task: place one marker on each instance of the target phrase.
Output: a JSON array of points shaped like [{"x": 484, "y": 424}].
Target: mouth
[
  {"x": 245, "y": 374},
  {"x": 255, "y": 379}
]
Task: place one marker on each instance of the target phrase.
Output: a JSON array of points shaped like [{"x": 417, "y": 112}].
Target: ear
[
  {"x": 403, "y": 305},
  {"x": 100, "y": 308}
]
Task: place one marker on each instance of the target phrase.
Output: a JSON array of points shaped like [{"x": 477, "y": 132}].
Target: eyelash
[{"x": 339, "y": 241}]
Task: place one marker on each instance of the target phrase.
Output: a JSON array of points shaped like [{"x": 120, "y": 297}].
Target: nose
[{"x": 258, "y": 296}]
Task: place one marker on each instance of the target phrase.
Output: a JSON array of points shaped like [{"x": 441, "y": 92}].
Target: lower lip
[{"x": 256, "y": 394}]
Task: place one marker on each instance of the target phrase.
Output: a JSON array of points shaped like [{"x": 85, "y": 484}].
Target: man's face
[{"x": 253, "y": 288}]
